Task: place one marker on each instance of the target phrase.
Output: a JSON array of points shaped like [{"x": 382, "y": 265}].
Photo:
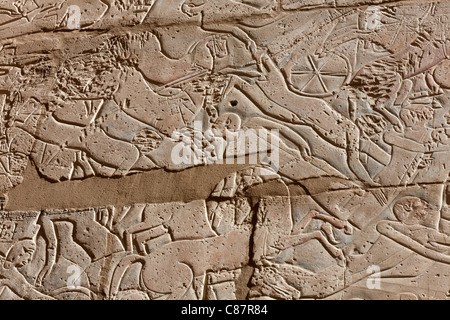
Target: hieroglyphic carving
[
  {"x": 108, "y": 248},
  {"x": 345, "y": 100},
  {"x": 118, "y": 253}
]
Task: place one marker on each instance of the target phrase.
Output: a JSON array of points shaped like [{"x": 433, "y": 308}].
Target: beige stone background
[{"x": 96, "y": 94}]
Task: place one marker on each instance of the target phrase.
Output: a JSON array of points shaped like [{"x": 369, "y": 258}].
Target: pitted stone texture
[
  {"x": 345, "y": 110},
  {"x": 104, "y": 253},
  {"x": 297, "y": 246}
]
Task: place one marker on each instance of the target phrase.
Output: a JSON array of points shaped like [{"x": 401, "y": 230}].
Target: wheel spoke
[
  {"x": 302, "y": 72},
  {"x": 310, "y": 80},
  {"x": 333, "y": 74},
  {"x": 322, "y": 83},
  {"x": 313, "y": 65},
  {"x": 325, "y": 62},
  {"x": 327, "y": 67}
]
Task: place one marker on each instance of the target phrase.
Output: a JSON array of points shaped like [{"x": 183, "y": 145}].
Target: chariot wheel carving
[{"x": 320, "y": 76}]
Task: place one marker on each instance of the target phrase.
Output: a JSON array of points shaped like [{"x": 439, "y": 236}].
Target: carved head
[
  {"x": 271, "y": 283},
  {"x": 447, "y": 118},
  {"x": 20, "y": 254},
  {"x": 192, "y": 7},
  {"x": 411, "y": 210}
]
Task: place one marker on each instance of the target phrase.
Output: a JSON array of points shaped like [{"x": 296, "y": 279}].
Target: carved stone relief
[{"x": 331, "y": 120}]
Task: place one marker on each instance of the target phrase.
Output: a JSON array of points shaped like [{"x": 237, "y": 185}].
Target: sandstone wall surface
[{"x": 224, "y": 149}]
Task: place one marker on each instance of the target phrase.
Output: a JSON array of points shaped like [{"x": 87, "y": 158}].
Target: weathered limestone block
[{"x": 318, "y": 132}]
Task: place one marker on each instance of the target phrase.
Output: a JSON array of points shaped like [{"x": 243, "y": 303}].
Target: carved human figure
[
  {"x": 410, "y": 147},
  {"x": 174, "y": 268},
  {"x": 96, "y": 240},
  {"x": 295, "y": 160},
  {"x": 275, "y": 230},
  {"x": 417, "y": 229},
  {"x": 19, "y": 255},
  {"x": 390, "y": 80},
  {"x": 181, "y": 265},
  {"x": 28, "y": 16},
  {"x": 276, "y": 101},
  {"x": 159, "y": 95},
  {"x": 93, "y": 130},
  {"x": 400, "y": 64},
  {"x": 164, "y": 219},
  {"x": 229, "y": 9},
  {"x": 416, "y": 157}
]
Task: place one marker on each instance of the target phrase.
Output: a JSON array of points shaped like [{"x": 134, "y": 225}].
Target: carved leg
[
  {"x": 150, "y": 234},
  {"x": 141, "y": 227},
  {"x": 435, "y": 88},
  {"x": 328, "y": 230},
  {"x": 313, "y": 214},
  {"x": 256, "y": 95},
  {"x": 353, "y": 160},
  {"x": 295, "y": 240}
]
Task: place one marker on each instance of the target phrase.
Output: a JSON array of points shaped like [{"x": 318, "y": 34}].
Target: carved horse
[{"x": 172, "y": 269}]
